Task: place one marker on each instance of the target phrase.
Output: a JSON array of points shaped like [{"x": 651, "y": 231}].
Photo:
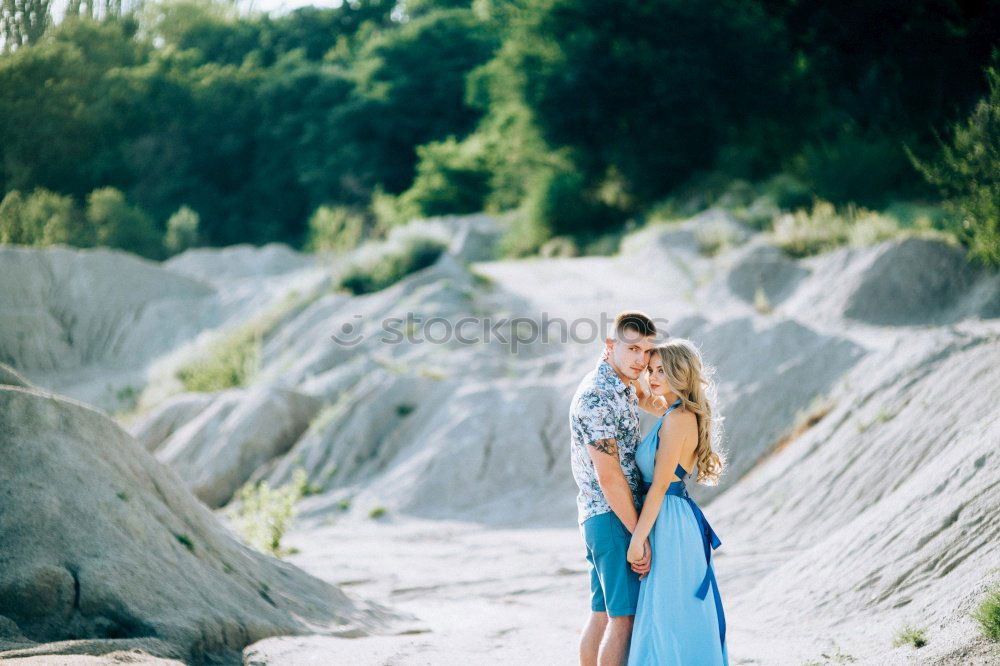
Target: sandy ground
[
  {"x": 520, "y": 596},
  {"x": 483, "y": 596}
]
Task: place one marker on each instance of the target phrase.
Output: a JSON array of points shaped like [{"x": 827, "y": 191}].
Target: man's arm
[
  {"x": 654, "y": 404},
  {"x": 611, "y": 478}
]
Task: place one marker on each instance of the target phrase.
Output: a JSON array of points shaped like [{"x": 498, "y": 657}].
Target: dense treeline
[{"x": 187, "y": 121}]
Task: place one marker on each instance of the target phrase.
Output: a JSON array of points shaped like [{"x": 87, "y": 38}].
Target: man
[{"x": 604, "y": 429}]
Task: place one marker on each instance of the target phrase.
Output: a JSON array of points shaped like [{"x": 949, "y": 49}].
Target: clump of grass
[
  {"x": 805, "y": 233},
  {"x": 377, "y": 512},
  {"x": 559, "y": 247},
  {"x": 481, "y": 279},
  {"x": 344, "y": 504},
  {"x": 392, "y": 262},
  {"x": 908, "y": 635},
  {"x": 233, "y": 360},
  {"x": 837, "y": 657},
  {"x": 185, "y": 541},
  {"x": 987, "y": 614},
  {"x": 714, "y": 237},
  {"x": 230, "y": 362},
  {"x": 263, "y": 513}
]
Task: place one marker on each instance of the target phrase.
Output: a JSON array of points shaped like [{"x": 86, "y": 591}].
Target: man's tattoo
[{"x": 609, "y": 446}]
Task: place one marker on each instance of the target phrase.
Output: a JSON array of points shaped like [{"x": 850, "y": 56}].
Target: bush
[
  {"x": 968, "y": 174},
  {"x": 120, "y": 225},
  {"x": 562, "y": 202},
  {"x": 182, "y": 230},
  {"x": 401, "y": 255},
  {"x": 856, "y": 167},
  {"x": 336, "y": 228},
  {"x": 806, "y": 233},
  {"x": 264, "y": 513},
  {"x": 560, "y": 246},
  {"x": 524, "y": 235},
  {"x": 233, "y": 360},
  {"x": 43, "y": 218},
  {"x": 988, "y": 614},
  {"x": 229, "y": 363},
  {"x": 910, "y": 636},
  {"x": 788, "y": 192},
  {"x": 452, "y": 178}
]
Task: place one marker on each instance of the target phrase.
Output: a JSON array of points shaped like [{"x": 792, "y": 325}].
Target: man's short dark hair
[{"x": 635, "y": 320}]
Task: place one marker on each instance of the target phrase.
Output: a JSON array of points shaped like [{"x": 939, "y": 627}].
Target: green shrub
[
  {"x": 910, "y": 636},
  {"x": 787, "y": 192},
  {"x": 377, "y": 512},
  {"x": 117, "y": 224},
  {"x": 234, "y": 359},
  {"x": 185, "y": 541},
  {"x": 182, "y": 230},
  {"x": 43, "y": 218},
  {"x": 987, "y": 614},
  {"x": 452, "y": 178},
  {"x": 336, "y": 228},
  {"x": 563, "y": 203},
  {"x": 391, "y": 263},
  {"x": 968, "y": 174},
  {"x": 560, "y": 246},
  {"x": 263, "y": 514},
  {"x": 806, "y": 233},
  {"x": 229, "y": 363},
  {"x": 854, "y": 167},
  {"x": 524, "y": 235}
]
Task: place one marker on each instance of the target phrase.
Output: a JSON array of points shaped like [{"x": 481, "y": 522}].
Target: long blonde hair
[{"x": 690, "y": 379}]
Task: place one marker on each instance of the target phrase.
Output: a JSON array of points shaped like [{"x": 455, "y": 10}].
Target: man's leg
[
  {"x": 614, "y": 647},
  {"x": 590, "y": 639}
]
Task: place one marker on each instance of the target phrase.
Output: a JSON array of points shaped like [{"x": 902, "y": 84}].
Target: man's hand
[{"x": 643, "y": 564}]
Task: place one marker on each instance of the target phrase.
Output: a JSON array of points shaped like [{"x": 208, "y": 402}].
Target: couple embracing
[{"x": 654, "y": 596}]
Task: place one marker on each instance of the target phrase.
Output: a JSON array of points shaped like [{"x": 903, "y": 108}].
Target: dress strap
[{"x": 677, "y": 403}]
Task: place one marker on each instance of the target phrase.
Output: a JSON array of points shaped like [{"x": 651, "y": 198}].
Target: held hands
[{"x": 639, "y": 556}]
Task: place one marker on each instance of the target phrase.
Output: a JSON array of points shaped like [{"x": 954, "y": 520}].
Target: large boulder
[
  {"x": 102, "y": 541},
  {"x": 218, "y": 450}
]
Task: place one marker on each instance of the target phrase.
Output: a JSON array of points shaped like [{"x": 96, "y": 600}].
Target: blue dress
[{"x": 679, "y": 619}]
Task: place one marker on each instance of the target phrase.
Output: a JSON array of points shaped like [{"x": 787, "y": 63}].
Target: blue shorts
[{"x": 614, "y": 587}]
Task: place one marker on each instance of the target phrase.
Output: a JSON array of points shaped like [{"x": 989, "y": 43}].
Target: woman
[{"x": 679, "y": 618}]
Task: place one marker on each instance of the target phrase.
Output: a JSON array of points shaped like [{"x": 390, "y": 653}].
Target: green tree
[
  {"x": 653, "y": 90},
  {"x": 43, "y": 218},
  {"x": 117, "y": 224},
  {"x": 182, "y": 230},
  {"x": 968, "y": 173}
]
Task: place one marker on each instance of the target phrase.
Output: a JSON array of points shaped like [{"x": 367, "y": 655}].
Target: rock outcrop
[{"x": 104, "y": 542}]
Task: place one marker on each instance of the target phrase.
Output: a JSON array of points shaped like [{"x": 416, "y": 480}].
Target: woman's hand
[
  {"x": 640, "y": 565},
  {"x": 636, "y": 551}
]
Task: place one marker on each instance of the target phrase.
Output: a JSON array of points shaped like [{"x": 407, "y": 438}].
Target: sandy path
[
  {"x": 479, "y": 595},
  {"x": 486, "y": 596}
]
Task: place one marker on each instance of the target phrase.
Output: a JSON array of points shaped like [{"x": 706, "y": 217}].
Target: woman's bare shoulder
[{"x": 680, "y": 418}]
